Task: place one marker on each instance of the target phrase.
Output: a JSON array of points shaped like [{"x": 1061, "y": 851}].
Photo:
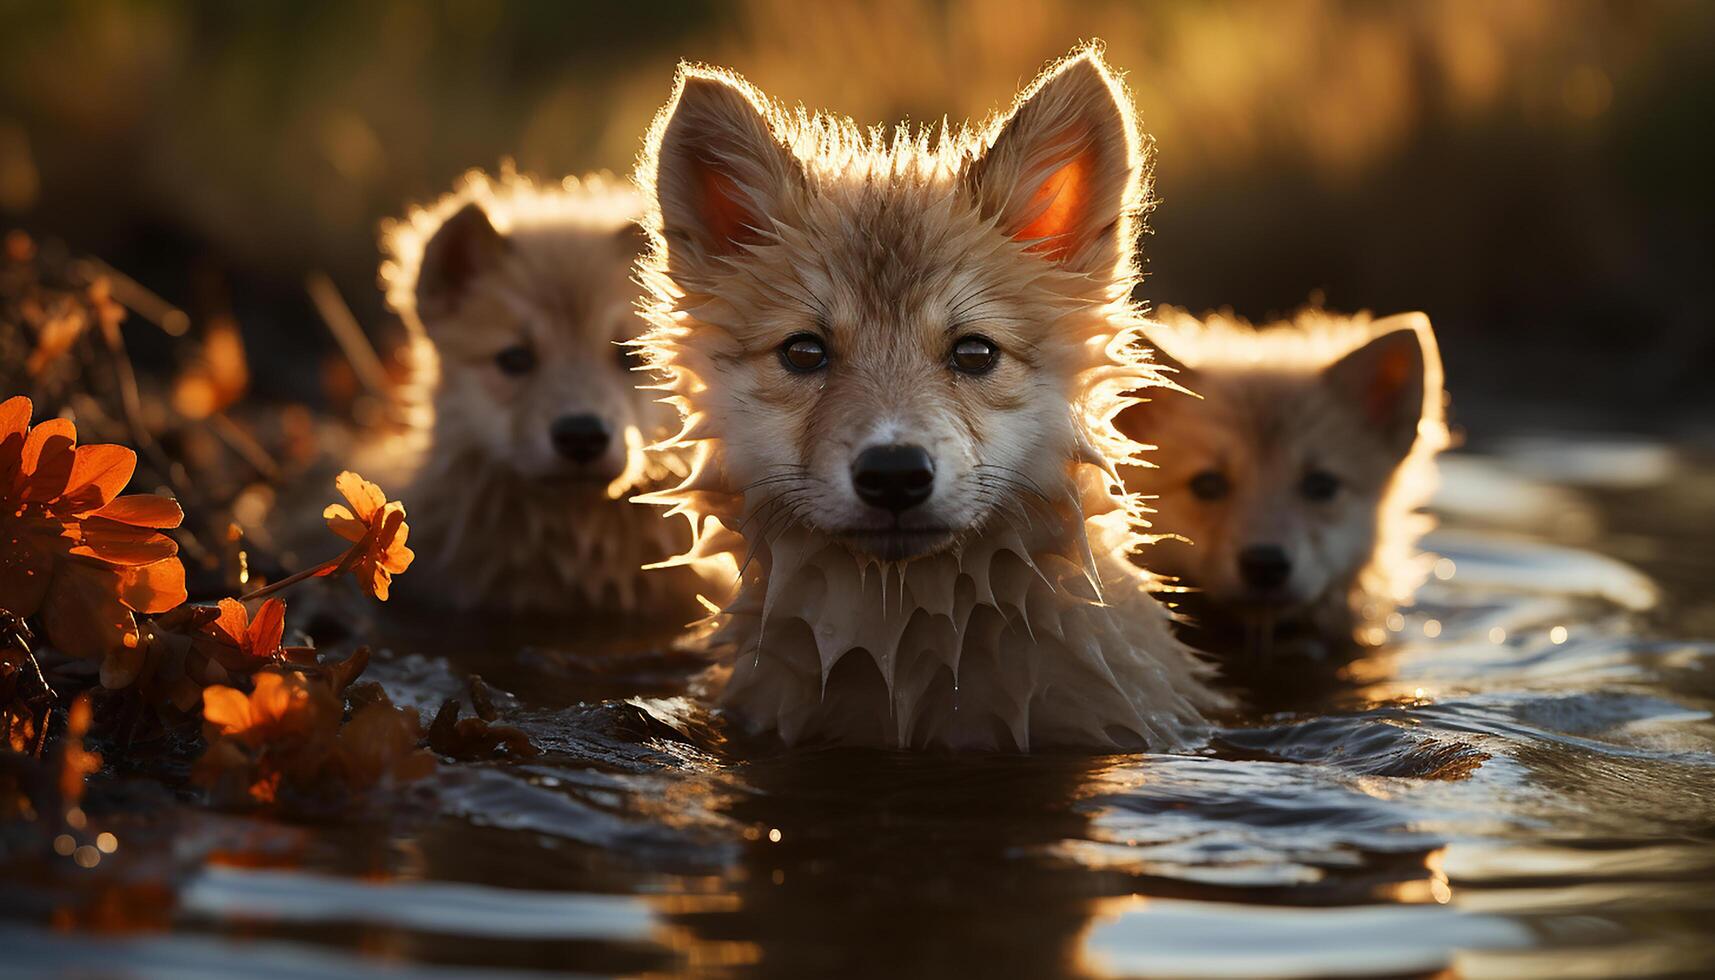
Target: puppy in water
[
  {"x": 521, "y": 301},
  {"x": 897, "y": 357},
  {"x": 1293, "y": 484}
]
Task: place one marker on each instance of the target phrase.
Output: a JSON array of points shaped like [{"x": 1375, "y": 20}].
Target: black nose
[
  {"x": 1264, "y": 566},
  {"x": 893, "y": 478},
  {"x": 580, "y": 438}
]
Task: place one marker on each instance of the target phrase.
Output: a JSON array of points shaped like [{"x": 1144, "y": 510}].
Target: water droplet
[
  {"x": 1432, "y": 628},
  {"x": 1557, "y": 635},
  {"x": 86, "y": 856},
  {"x": 1445, "y": 569},
  {"x": 1497, "y": 635},
  {"x": 106, "y": 843},
  {"x": 774, "y": 836},
  {"x": 64, "y": 844}
]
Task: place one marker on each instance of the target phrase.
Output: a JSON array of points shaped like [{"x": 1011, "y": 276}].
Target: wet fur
[
  {"x": 1027, "y": 626},
  {"x": 1266, "y": 414},
  {"x": 498, "y": 520}
]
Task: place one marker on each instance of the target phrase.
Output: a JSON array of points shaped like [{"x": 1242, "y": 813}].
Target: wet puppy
[
  {"x": 897, "y": 356},
  {"x": 1294, "y": 483},
  {"x": 521, "y": 299}
]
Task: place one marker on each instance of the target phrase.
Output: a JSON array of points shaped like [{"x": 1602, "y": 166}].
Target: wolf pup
[
  {"x": 1296, "y": 480},
  {"x": 521, "y": 300},
  {"x": 897, "y": 360}
]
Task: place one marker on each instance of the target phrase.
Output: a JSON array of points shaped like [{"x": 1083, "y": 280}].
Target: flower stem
[{"x": 291, "y": 580}]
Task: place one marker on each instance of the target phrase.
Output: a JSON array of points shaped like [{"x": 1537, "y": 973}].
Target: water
[{"x": 1521, "y": 783}]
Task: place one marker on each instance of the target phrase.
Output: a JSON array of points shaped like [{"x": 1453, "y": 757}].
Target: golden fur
[
  {"x": 1350, "y": 397},
  {"x": 1003, "y": 612},
  {"x": 501, "y": 518}
]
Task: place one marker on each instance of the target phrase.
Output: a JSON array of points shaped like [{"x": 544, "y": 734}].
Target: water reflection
[{"x": 894, "y": 864}]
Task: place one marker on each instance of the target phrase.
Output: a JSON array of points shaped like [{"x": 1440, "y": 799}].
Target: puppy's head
[
  {"x": 528, "y": 299},
  {"x": 889, "y": 337},
  {"x": 1278, "y": 473}
]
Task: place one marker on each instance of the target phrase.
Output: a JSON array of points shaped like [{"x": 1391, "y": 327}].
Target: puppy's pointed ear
[
  {"x": 464, "y": 247},
  {"x": 720, "y": 174},
  {"x": 1385, "y": 380},
  {"x": 1065, "y": 172}
]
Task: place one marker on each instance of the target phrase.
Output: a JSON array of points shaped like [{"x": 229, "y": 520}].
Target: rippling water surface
[{"x": 1521, "y": 782}]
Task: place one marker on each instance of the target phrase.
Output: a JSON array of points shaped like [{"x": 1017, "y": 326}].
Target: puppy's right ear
[
  {"x": 464, "y": 247},
  {"x": 719, "y": 173},
  {"x": 1385, "y": 379}
]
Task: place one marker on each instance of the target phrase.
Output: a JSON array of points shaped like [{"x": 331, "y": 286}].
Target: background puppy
[
  {"x": 522, "y": 302},
  {"x": 897, "y": 359},
  {"x": 1293, "y": 484}
]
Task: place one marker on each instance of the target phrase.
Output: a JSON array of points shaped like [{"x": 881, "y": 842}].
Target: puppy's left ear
[
  {"x": 465, "y": 247},
  {"x": 1388, "y": 379},
  {"x": 1065, "y": 173}
]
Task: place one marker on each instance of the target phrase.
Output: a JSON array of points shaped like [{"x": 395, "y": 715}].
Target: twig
[
  {"x": 349, "y": 333},
  {"x": 135, "y": 296},
  {"x": 241, "y": 443}
]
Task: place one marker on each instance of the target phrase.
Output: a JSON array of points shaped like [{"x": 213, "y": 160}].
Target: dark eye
[
  {"x": 975, "y": 355},
  {"x": 515, "y": 360},
  {"x": 1319, "y": 485},
  {"x": 803, "y": 353},
  {"x": 1210, "y": 485}
]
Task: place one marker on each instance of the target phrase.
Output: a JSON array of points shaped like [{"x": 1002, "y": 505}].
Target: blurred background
[{"x": 1535, "y": 174}]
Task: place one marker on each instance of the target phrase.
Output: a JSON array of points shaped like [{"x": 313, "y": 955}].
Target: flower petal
[
  {"x": 122, "y": 544},
  {"x": 82, "y": 614},
  {"x": 153, "y": 588},
  {"x": 49, "y": 451},
  {"x": 98, "y": 473},
  {"x": 227, "y": 708},
  {"x": 273, "y": 698},
  {"x": 233, "y": 622},
  {"x": 14, "y": 428},
  {"x": 366, "y": 498},
  {"x": 27, "y": 549},
  {"x": 143, "y": 510},
  {"x": 15, "y": 415},
  {"x": 267, "y": 629},
  {"x": 346, "y": 527},
  {"x": 372, "y": 578}
]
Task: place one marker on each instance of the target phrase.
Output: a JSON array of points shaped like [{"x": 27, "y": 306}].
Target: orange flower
[
  {"x": 237, "y": 642},
  {"x": 283, "y": 745},
  {"x": 283, "y": 707},
  {"x": 73, "y": 550},
  {"x": 377, "y": 529}
]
